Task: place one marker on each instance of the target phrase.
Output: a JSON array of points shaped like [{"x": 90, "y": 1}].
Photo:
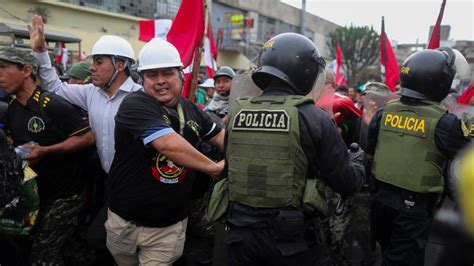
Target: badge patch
[
  {"x": 167, "y": 120},
  {"x": 36, "y": 124},
  {"x": 194, "y": 126},
  {"x": 465, "y": 130},
  {"x": 262, "y": 120},
  {"x": 411, "y": 125},
  {"x": 166, "y": 171}
]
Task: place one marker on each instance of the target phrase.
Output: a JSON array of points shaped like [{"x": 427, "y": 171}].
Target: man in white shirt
[{"x": 112, "y": 57}]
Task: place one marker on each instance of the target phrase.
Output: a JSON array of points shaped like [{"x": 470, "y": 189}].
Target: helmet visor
[
  {"x": 318, "y": 88},
  {"x": 463, "y": 72}
]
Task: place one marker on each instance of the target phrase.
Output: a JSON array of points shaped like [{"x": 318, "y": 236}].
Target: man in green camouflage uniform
[{"x": 54, "y": 131}]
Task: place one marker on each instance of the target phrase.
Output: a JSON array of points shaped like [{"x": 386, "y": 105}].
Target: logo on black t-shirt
[
  {"x": 167, "y": 120},
  {"x": 167, "y": 171},
  {"x": 35, "y": 124},
  {"x": 194, "y": 126}
]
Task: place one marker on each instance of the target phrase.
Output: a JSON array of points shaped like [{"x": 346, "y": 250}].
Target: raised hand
[{"x": 37, "y": 38}]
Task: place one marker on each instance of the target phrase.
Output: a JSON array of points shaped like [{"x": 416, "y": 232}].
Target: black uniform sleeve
[
  {"x": 67, "y": 117},
  {"x": 139, "y": 112},
  {"x": 207, "y": 127},
  {"x": 449, "y": 137},
  {"x": 373, "y": 132},
  {"x": 327, "y": 153}
]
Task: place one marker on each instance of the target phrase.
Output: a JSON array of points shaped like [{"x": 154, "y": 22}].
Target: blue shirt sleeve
[{"x": 154, "y": 132}]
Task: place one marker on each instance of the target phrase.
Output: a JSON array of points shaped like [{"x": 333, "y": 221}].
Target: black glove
[{"x": 358, "y": 156}]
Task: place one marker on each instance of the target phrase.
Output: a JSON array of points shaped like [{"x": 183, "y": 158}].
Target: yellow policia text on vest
[
  {"x": 266, "y": 120},
  {"x": 410, "y": 123}
]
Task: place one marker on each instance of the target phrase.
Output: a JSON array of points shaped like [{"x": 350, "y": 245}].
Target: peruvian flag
[
  {"x": 185, "y": 34},
  {"x": 62, "y": 55},
  {"x": 210, "y": 50},
  {"x": 340, "y": 78},
  {"x": 388, "y": 60},
  {"x": 436, "y": 35},
  {"x": 150, "y": 29}
]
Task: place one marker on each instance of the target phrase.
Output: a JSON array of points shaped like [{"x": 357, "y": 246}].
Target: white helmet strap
[{"x": 114, "y": 76}]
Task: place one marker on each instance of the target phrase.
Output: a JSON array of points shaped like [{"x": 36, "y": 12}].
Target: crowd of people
[{"x": 130, "y": 172}]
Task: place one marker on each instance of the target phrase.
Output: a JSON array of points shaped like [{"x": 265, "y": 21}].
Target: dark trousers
[
  {"x": 403, "y": 236},
  {"x": 259, "y": 247},
  {"x": 263, "y": 236}
]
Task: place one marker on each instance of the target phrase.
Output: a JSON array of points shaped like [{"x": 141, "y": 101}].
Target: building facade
[{"x": 240, "y": 26}]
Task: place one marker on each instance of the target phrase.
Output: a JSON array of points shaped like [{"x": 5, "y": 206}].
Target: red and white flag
[
  {"x": 187, "y": 29},
  {"x": 436, "y": 34},
  {"x": 210, "y": 51},
  {"x": 62, "y": 56},
  {"x": 388, "y": 61},
  {"x": 185, "y": 32},
  {"x": 150, "y": 29}
]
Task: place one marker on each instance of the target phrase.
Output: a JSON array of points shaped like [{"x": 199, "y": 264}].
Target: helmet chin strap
[{"x": 114, "y": 76}]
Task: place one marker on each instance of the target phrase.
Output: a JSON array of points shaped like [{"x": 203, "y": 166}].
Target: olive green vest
[
  {"x": 267, "y": 165},
  {"x": 406, "y": 155}
]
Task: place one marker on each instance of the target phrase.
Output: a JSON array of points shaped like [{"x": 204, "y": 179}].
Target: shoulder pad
[
  {"x": 241, "y": 100},
  {"x": 304, "y": 100}
]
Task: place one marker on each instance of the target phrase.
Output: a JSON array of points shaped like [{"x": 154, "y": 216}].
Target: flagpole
[
  {"x": 383, "y": 53},
  {"x": 197, "y": 56},
  {"x": 435, "y": 37}
]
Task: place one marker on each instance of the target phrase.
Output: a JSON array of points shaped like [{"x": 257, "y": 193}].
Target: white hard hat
[
  {"x": 158, "y": 53},
  {"x": 209, "y": 83},
  {"x": 113, "y": 45}
]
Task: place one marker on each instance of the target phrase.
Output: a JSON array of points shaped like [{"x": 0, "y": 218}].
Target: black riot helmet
[
  {"x": 293, "y": 58},
  {"x": 428, "y": 74}
]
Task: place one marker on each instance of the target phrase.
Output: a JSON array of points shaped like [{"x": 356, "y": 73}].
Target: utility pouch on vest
[
  {"x": 219, "y": 201},
  {"x": 313, "y": 198}
]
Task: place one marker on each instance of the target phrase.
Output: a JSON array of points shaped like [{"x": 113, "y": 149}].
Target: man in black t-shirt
[
  {"x": 54, "y": 131},
  {"x": 155, "y": 161}
]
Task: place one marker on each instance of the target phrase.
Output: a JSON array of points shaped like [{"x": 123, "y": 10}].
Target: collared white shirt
[{"x": 101, "y": 108}]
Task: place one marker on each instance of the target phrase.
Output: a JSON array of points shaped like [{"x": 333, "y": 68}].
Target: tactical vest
[
  {"x": 267, "y": 165},
  {"x": 406, "y": 155}
]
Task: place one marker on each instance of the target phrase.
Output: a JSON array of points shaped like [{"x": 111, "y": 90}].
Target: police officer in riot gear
[
  {"x": 412, "y": 139},
  {"x": 281, "y": 151}
]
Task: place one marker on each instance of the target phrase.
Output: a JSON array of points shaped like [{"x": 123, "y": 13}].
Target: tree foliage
[{"x": 360, "y": 49}]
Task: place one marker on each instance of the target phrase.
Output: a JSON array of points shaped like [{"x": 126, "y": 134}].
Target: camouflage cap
[
  {"x": 377, "y": 88},
  {"x": 18, "y": 56}
]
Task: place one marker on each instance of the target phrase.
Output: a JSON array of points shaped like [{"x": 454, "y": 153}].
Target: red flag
[
  {"x": 467, "y": 95},
  {"x": 147, "y": 30},
  {"x": 188, "y": 79},
  {"x": 340, "y": 78},
  {"x": 347, "y": 109},
  {"x": 210, "y": 51},
  {"x": 436, "y": 35},
  {"x": 187, "y": 29},
  {"x": 388, "y": 60}
]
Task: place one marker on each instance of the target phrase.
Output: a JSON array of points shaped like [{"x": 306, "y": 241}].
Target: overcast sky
[{"x": 405, "y": 20}]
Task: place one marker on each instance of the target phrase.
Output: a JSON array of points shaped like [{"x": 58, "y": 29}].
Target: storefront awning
[{"x": 51, "y": 36}]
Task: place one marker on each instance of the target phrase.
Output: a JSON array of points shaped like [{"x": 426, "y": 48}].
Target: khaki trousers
[{"x": 138, "y": 245}]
